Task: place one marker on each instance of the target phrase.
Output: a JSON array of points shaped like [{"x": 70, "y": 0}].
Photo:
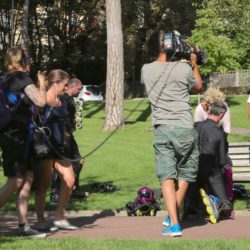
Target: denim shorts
[{"x": 176, "y": 153}]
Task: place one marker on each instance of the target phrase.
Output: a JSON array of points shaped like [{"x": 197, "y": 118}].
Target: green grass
[
  {"x": 80, "y": 243},
  {"x": 238, "y": 109},
  {"x": 127, "y": 158}
]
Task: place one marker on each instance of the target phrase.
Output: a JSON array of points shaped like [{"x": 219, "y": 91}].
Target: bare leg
[
  {"x": 66, "y": 174},
  {"x": 12, "y": 185},
  {"x": 44, "y": 179},
  {"x": 181, "y": 192},
  {"x": 170, "y": 199},
  {"x": 22, "y": 198}
]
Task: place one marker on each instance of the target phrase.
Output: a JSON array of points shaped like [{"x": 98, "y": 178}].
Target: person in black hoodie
[
  {"x": 53, "y": 119},
  {"x": 212, "y": 159}
]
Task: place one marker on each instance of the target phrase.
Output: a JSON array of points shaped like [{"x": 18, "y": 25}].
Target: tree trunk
[
  {"x": 115, "y": 67},
  {"x": 25, "y": 36}
]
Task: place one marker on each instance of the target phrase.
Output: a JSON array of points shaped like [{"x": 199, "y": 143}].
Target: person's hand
[
  {"x": 193, "y": 57},
  {"x": 193, "y": 60},
  {"x": 41, "y": 77},
  {"x": 205, "y": 106}
]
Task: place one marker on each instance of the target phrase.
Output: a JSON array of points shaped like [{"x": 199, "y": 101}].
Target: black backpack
[{"x": 5, "y": 110}]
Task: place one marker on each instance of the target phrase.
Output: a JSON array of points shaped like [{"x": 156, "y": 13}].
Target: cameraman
[{"x": 175, "y": 141}]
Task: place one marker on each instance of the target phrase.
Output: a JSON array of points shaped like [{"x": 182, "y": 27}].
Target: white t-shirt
[
  {"x": 200, "y": 115},
  {"x": 248, "y": 100}
]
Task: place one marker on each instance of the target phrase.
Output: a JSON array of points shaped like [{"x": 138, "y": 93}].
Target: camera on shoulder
[{"x": 178, "y": 48}]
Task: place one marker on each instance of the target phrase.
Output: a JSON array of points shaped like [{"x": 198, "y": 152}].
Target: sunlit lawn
[
  {"x": 127, "y": 158},
  {"x": 112, "y": 244}
]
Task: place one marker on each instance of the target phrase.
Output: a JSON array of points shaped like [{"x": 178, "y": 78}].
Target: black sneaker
[
  {"x": 54, "y": 198},
  {"x": 76, "y": 194},
  {"x": 47, "y": 228},
  {"x": 32, "y": 234}
]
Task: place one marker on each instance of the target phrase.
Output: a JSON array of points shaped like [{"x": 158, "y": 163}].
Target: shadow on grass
[
  {"x": 145, "y": 113},
  {"x": 232, "y": 102},
  {"x": 93, "y": 108},
  {"x": 7, "y": 239},
  {"x": 93, "y": 187},
  {"x": 193, "y": 104},
  {"x": 98, "y": 106}
]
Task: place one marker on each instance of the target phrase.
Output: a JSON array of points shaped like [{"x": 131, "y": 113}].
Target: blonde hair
[
  {"x": 213, "y": 95},
  {"x": 56, "y": 76},
  {"x": 16, "y": 59}
]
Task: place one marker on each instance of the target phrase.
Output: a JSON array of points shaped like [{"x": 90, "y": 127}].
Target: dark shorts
[
  {"x": 15, "y": 154},
  {"x": 75, "y": 154},
  {"x": 176, "y": 153}
]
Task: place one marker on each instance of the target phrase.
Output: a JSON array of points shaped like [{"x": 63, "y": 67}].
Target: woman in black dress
[{"x": 53, "y": 119}]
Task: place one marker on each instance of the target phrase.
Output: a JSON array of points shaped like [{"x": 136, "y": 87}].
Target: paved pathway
[{"x": 107, "y": 225}]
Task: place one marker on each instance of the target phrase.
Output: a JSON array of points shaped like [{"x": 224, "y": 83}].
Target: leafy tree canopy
[{"x": 222, "y": 27}]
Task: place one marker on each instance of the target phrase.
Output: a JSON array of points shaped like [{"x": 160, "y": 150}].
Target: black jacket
[
  {"x": 69, "y": 105},
  {"x": 211, "y": 143}
]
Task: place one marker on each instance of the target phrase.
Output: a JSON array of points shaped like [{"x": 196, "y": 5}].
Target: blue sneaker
[
  {"x": 211, "y": 202},
  {"x": 173, "y": 231},
  {"x": 166, "y": 222}
]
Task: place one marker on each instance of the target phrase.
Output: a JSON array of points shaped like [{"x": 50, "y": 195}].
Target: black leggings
[{"x": 214, "y": 184}]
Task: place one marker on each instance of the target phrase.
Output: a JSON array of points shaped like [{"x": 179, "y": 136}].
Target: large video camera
[{"x": 179, "y": 48}]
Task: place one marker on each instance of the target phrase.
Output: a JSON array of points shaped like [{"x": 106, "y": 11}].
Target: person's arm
[
  {"x": 37, "y": 95},
  {"x": 198, "y": 87},
  {"x": 200, "y": 114},
  {"x": 225, "y": 122}
]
